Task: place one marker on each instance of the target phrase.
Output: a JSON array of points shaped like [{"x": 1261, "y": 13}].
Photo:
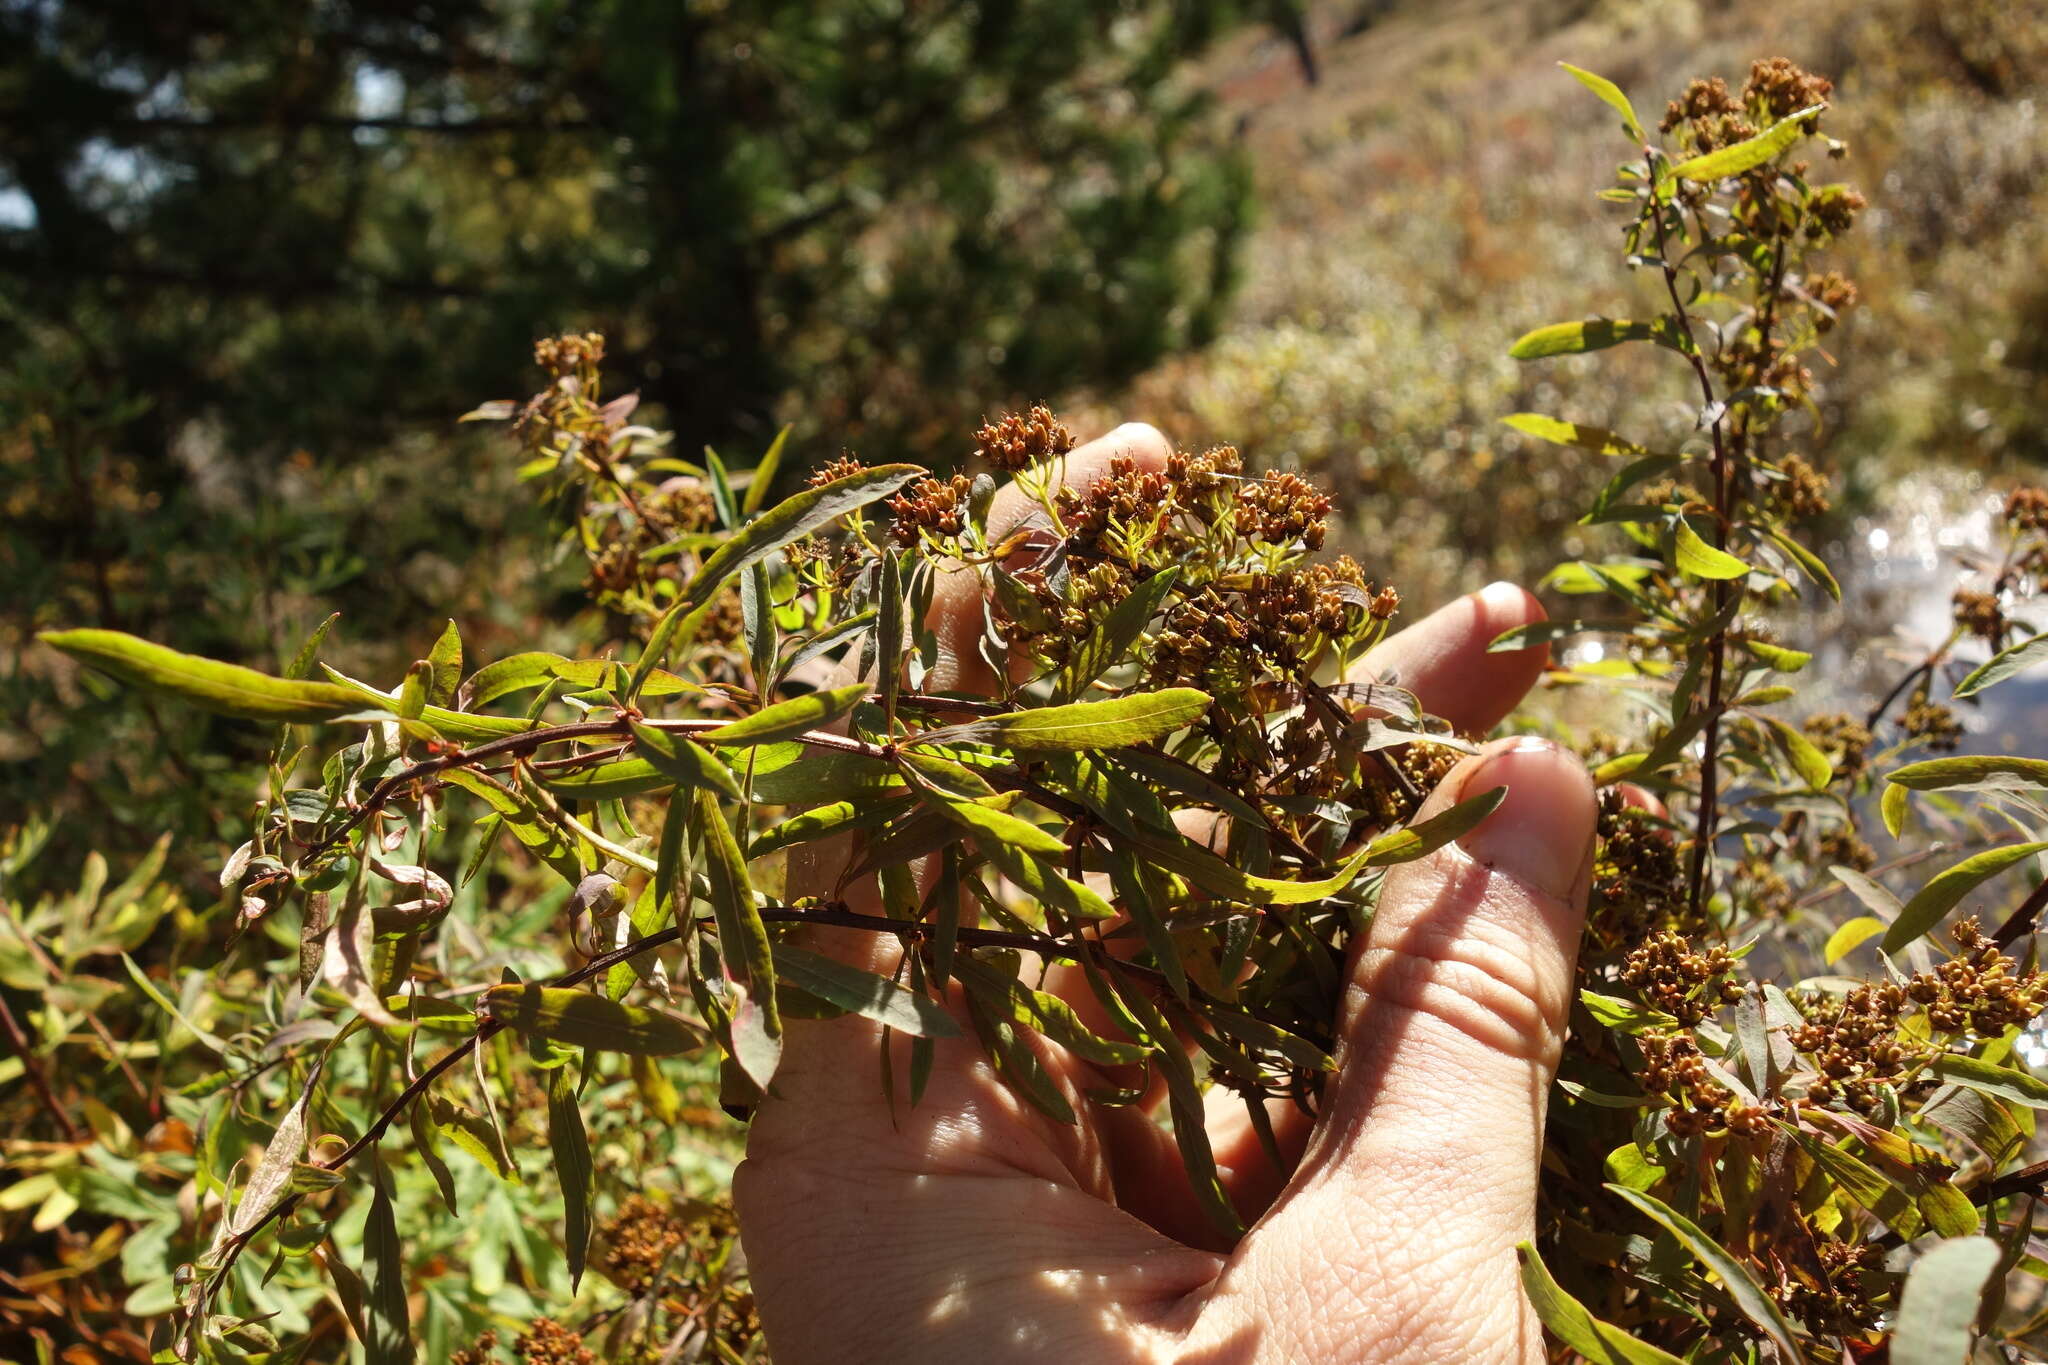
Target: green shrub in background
[{"x": 503, "y": 926}]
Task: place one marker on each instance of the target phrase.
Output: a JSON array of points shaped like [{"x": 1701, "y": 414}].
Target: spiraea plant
[
  {"x": 1758, "y": 1155},
  {"x": 1169, "y": 784}
]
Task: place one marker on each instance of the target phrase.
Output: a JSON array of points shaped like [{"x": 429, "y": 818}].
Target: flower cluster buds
[{"x": 1014, "y": 442}]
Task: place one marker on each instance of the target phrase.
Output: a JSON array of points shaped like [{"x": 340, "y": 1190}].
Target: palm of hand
[{"x": 972, "y": 1227}]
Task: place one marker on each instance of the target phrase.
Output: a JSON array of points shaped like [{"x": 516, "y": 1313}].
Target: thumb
[{"x": 1427, "y": 1151}]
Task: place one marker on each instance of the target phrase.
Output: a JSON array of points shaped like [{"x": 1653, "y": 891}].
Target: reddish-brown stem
[
  {"x": 1703, "y": 838},
  {"x": 32, "y": 1067}
]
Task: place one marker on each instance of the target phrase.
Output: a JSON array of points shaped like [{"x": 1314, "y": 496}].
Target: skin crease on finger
[{"x": 973, "y": 1226}]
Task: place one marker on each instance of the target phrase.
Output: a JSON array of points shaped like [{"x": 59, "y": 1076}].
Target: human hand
[{"x": 972, "y": 1227}]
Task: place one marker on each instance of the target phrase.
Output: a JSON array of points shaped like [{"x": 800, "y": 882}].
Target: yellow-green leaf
[
  {"x": 788, "y": 719},
  {"x": 1749, "y": 154},
  {"x": 1114, "y": 724},
  {"x": 226, "y": 689},
  {"x": 579, "y": 1018},
  {"x": 1611, "y": 93},
  {"x": 1702, "y": 560},
  {"x": 1597, "y": 1341},
  {"x": 1940, "y": 895}
]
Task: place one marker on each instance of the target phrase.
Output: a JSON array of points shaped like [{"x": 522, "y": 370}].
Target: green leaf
[
  {"x": 1749, "y": 154},
  {"x": 689, "y": 764},
  {"x": 823, "y": 822},
  {"x": 1015, "y": 1058},
  {"x": 1702, "y": 560},
  {"x": 1992, "y": 1079},
  {"x": 1850, "y": 936},
  {"x": 1137, "y": 718},
  {"x": 1106, "y": 645},
  {"x": 1973, "y": 772},
  {"x": 564, "y": 1015},
  {"x": 788, "y": 719},
  {"x": 1809, "y": 562},
  {"x": 1420, "y": 840},
  {"x": 301, "y": 666},
  {"x": 1186, "y": 1108},
  {"x": 889, "y": 634},
  {"x": 1892, "y": 806},
  {"x": 1219, "y": 879},
  {"x": 1777, "y": 656},
  {"x": 1941, "y": 894},
  {"x": 743, "y": 945},
  {"x": 1755, "y": 1304},
  {"x": 1042, "y": 1013},
  {"x": 1575, "y": 338},
  {"x": 764, "y": 473},
  {"x": 994, "y": 827},
  {"x": 787, "y": 521},
  {"x": 863, "y": 993},
  {"x": 1937, "y": 1321},
  {"x": 1806, "y": 759},
  {"x": 1599, "y": 440},
  {"x": 226, "y": 689},
  {"x": 387, "y": 1315},
  {"x": 1600, "y": 1342},
  {"x": 445, "y": 660},
  {"x": 610, "y": 780},
  {"x": 1610, "y": 92},
  {"x": 2002, "y": 665},
  {"x": 570, "y": 1144}
]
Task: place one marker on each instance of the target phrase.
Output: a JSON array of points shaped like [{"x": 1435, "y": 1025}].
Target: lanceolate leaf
[
  {"x": 1749, "y": 154},
  {"x": 1973, "y": 772},
  {"x": 1941, "y": 895},
  {"x": 1599, "y": 440},
  {"x": 1610, "y": 92},
  {"x": 1755, "y": 1304},
  {"x": 1593, "y": 334},
  {"x": 743, "y": 942},
  {"x": 1106, "y": 645},
  {"x": 1137, "y": 718},
  {"x": 1696, "y": 557},
  {"x": 227, "y": 689},
  {"x": 387, "y": 1314},
  {"x": 2002, "y": 665},
  {"x": 823, "y": 822},
  {"x": 1944, "y": 1292},
  {"x": 786, "y": 522},
  {"x": 864, "y": 993},
  {"x": 571, "y": 1147},
  {"x": 1993, "y": 1079},
  {"x": 1416, "y": 841},
  {"x": 1806, "y": 759},
  {"x": 1219, "y": 879},
  {"x": 1597, "y": 1341},
  {"x": 788, "y": 719},
  {"x": 581, "y": 1019},
  {"x": 686, "y": 762},
  {"x": 445, "y": 658}
]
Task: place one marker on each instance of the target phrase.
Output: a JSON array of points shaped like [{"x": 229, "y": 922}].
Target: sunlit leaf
[
  {"x": 1418, "y": 840},
  {"x": 788, "y": 719},
  {"x": 1973, "y": 772},
  {"x": 1850, "y": 936},
  {"x": 227, "y": 689},
  {"x": 1564, "y": 1315},
  {"x": 2002, "y": 665},
  {"x": 1939, "y": 896},
  {"x": 687, "y": 763},
  {"x": 582, "y": 1019},
  {"x": 863, "y": 993},
  {"x": 1944, "y": 1293},
  {"x": 1700, "y": 559},
  {"x": 1557, "y": 431},
  {"x": 1135, "y": 718},
  {"x": 1611, "y": 93},
  {"x": 1749, "y": 1297},
  {"x": 1748, "y": 154},
  {"x": 743, "y": 942}
]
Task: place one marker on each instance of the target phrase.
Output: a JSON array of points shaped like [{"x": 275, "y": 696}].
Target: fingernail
[{"x": 1542, "y": 832}]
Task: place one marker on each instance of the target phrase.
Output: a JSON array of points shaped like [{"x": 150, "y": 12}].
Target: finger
[
  {"x": 1449, "y": 1036},
  {"x": 1445, "y": 661},
  {"x": 956, "y": 614},
  {"x": 1444, "y": 658}
]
